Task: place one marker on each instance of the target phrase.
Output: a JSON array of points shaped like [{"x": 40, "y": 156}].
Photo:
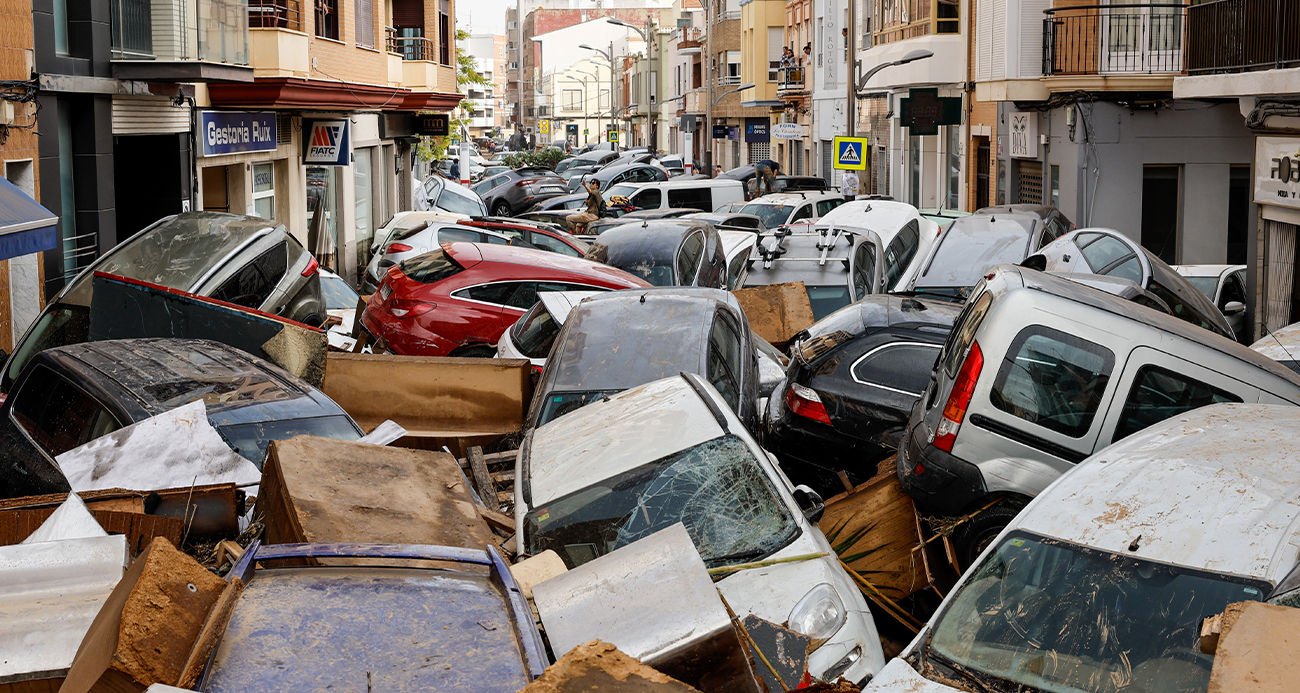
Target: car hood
[{"x": 899, "y": 677}]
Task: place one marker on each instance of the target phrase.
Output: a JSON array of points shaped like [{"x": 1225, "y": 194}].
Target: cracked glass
[{"x": 717, "y": 489}]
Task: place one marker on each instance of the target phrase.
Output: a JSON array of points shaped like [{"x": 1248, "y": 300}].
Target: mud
[{"x": 599, "y": 665}]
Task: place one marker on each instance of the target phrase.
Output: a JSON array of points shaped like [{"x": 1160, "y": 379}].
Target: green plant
[
  {"x": 435, "y": 148},
  {"x": 546, "y": 158}
]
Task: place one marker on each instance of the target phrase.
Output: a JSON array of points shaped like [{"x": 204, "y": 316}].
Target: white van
[{"x": 705, "y": 194}]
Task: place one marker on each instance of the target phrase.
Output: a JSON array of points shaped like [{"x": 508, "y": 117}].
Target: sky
[{"x": 483, "y": 16}]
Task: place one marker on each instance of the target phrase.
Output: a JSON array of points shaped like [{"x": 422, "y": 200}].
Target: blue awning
[{"x": 25, "y": 226}]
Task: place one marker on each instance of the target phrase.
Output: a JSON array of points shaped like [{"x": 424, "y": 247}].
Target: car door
[
  {"x": 886, "y": 375},
  {"x": 723, "y": 360},
  {"x": 804, "y": 212},
  {"x": 254, "y": 284},
  {"x": 689, "y": 255}
]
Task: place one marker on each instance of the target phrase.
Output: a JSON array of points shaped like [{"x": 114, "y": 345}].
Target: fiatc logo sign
[{"x": 326, "y": 142}]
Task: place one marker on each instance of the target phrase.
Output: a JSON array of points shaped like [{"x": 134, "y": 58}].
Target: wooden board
[
  {"x": 326, "y": 490},
  {"x": 209, "y": 509},
  {"x": 874, "y": 530},
  {"x": 1256, "y": 650},
  {"x": 140, "y": 529},
  {"x": 778, "y": 311}
]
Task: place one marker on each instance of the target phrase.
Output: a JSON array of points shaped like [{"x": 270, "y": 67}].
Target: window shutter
[
  {"x": 1031, "y": 37},
  {"x": 366, "y": 23}
]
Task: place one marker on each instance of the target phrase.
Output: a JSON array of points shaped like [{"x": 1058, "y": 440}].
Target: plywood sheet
[
  {"x": 776, "y": 312},
  {"x": 874, "y": 530},
  {"x": 1256, "y": 652}
]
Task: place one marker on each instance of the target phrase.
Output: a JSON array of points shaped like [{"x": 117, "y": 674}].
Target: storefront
[{"x": 1276, "y": 193}]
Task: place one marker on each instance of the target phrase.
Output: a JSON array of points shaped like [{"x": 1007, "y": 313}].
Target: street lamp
[
  {"x": 919, "y": 54},
  {"x": 708, "y": 123},
  {"x": 652, "y": 108},
  {"x": 610, "y": 57},
  {"x": 585, "y": 99}
]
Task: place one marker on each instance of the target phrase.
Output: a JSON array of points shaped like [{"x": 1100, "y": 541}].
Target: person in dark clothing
[
  {"x": 595, "y": 206},
  {"x": 455, "y": 170},
  {"x": 765, "y": 176}
]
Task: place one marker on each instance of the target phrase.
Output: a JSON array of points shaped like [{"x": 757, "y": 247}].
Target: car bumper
[
  {"x": 945, "y": 485},
  {"x": 405, "y": 337},
  {"x": 813, "y": 453}
]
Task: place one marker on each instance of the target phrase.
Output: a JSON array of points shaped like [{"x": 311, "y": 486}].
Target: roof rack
[{"x": 828, "y": 237}]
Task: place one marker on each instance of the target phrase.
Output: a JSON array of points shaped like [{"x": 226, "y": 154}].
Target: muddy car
[
  {"x": 972, "y": 246},
  {"x": 622, "y": 339},
  {"x": 672, "y": 451},
  {"x": 1040, "y": 372},
  {"x": 246, "y": 261},
  {"x": 850, "y": 387},
  {"x": 1101, "y": 583},
  {"x": 665, "y": 252},
  {"x": 71, "y": 395},
  {"x": 838, "y": 265}
]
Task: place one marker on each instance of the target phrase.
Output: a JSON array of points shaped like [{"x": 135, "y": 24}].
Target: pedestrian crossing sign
[{"x": 851, "y": 153}]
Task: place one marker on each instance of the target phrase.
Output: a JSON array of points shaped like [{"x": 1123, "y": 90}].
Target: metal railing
[
  {"x": 905, "y": 19},
  {"x": 1239, "y": 35},
  {"x": 1102, "y": 39},
  {"x": 791, "y": 77},
  {"x": 132, "y": 25},
  {"x": 410, "y": 47},
  {"x": 275, "y": 14},
  {"x": 729, "y": 14},
  {"x": 728, "y": 80}
]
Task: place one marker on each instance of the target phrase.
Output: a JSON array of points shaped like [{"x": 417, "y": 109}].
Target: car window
[
  {"x": 544, "y": 242},
  {"x": 735, "y": 269},
  {"x": 535, "y": 332},
  {"x": 902, "y": 367},
  {"x": 494, "y": 239},
  {"x": 1129, "y": 269},
  {"x": 650, "y": 198},
  {"x": 864, "y": 269},
  {"x": 772, "y": 216},
  {"x": 254, "y": 282},
  {"x": 825, "y": 206},
  {"x": 338, "y": 295},
  {"x": 1233, "y": 290},
  {"x": 724, "y": 359},
  {"x": 430, "y": 268},
  {"x": 1103, "y": 251},
  {"x": 486, "y": 185},
  {"x": 899, "y": 253},
  {"x": 57, "y": 414},
  {"x": 963, "y": 330},
  {"x": 688, "y": 258},
  {"x": 451, "y": 235},
  {"x": 499, "y": 293},
  {"x": 1159, "y": 394},
  {"x": 251, "y": 440},
  {"x": 1053, "y": 379},
  {"x": 1055, "y": 229},
  {"x": 691, "y": 198},
  {"x": 804, "y": 212}
]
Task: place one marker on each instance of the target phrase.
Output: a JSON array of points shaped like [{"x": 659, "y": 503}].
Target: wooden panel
[
  {"x": 139, "y": 529},
  {"x": 873, "y": 529}
]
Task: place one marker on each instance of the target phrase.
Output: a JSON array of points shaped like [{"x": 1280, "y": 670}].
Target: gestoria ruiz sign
[{"x": 1277, "y": 171}]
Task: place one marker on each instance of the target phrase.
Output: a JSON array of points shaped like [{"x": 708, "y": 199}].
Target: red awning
[{"x": 295, "y": 92}]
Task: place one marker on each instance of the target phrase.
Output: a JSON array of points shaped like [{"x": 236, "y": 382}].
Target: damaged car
[
  {"x": 837, "y": 265},
  {"x": 665, "y": 252},
  {"x": 1102, "y": 582},
  {"x": 672, "y": 451}
]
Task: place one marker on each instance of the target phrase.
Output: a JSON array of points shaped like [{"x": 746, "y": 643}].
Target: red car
[
  {"x": 456, "y": 301},
  {"x": 539, "y": 235}
]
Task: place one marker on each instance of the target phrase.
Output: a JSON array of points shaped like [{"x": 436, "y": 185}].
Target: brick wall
[
  {"x": 345, "y": 61},
  {"x": 16, "y": 43}
]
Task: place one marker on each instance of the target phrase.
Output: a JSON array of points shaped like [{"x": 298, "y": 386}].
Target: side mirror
[
  {"x": 810, "y": 502},
  {"x": 1234, "y": 307}
]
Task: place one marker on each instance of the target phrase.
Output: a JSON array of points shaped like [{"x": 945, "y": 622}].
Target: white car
[
  {"x": 779, "y": 209},
  {"x": 438, "y": 193},
  {"x": 1282, "y": 345},
  {"x": 908, "y": 236},
  {"x": 416, "y": 236},
  {"x": 617, "y": 470},
  {"x": 533, "y": 333},
  {"x": 1226, "y": 286},
  {"x": 1101, "y": 583}
]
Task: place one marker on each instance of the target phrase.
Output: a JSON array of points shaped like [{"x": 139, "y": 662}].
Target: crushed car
[
  {"x": 838, "y": 265},
  {"x": 665, "y": 252}
]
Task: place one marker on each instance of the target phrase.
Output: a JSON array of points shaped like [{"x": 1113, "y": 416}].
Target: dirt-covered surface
[{"x": 599, "y": 665}]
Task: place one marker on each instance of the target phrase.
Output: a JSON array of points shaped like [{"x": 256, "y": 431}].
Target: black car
[
  {"x": 850, "y": 386},
  {"x": 71, "y": 395},
  {"x": 617, "y": 217},
  {"x": 731, "y": 221},
  {"x": 782, "y": 183},
  {"x": 621, "y": 339},
  {"x": 667, "y": 252},
  {"x": 569, "y": 203}
]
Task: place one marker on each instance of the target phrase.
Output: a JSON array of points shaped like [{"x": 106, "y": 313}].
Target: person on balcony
[
  {"x": 807, "y": 55},
  {"x": 787, "y": 57}
]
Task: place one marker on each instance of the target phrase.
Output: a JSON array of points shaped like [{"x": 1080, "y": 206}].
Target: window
[
  {"x": 736, "y": 270},
  {"x": 1158, "y": 394},
  {"x": 431, "y": 267},
  {"x": 724, "y": 359},
  {"x": 544, "y": 242},
  {"x": 688, "y": 258},
  {"x": 454, "y": 235},
  {"x": 963, "y": 331},
  {"x": 365, "y": 21},
  {"x": 902, "y": 367},
  {"x": 58, "y": 415},
  {"x": 825, "y": 206},
  {"x": 1233, "y": 290},
  {"x": 264, "y": 190},
  {"x": 327, "y": 19},
  {"x": 1053, "y": 379},
  {"x": 804, "y": 212},
  {"x": 444, "y": 32},
  {"x": 650, "y": 198},
  {"x": 691, "y": 198},
  {"x": 497, "y": 294},
  {"x": 572, "y": 99},
  {"x": 604, "y": 100},
  {"x": 900, "y": 252},
  {"x": 253, "y": 283},
  {"x": 864, "y": 270},
  {"x": 1100, "y": 251}
]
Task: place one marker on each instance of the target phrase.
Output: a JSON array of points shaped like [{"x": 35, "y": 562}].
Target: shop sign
[
  {"x": 1277, "y": 171},
  {"x": 325, "y": 142},
  {"x": 720, "y": 132},
  {"x": 433, "y": 125},
  {"x": 787, "y": 131},
  {"x": 230, "y": 132},
  {"x": 1024, "y": 135},
  {"x": 756, "y": 129}
]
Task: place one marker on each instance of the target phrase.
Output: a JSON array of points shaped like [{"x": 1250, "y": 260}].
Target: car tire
[
  {"x": 478, "y": 351},
  {"x": 313, "y": 320},
  {"x": 970, "y": 538},
  {"x": 501, "y": 208}
]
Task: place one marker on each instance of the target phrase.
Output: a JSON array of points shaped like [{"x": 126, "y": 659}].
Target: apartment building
[
  {"x": 580, "y": 93},
  {"x": 762, "y": 37},
  {"x": 487, "y": 100}
]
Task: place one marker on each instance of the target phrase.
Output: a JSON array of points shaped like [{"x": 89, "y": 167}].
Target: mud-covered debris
[{"x": 598, "y": 665}]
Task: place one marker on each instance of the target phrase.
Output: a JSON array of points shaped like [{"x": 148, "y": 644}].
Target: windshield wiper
[
  {"x": 967, "y": 675},
  {"x": 738, "y": 556}
]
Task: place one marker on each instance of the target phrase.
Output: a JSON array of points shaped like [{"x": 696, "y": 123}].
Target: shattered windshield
[
  {"x": 716, "y": 489},
  {"x": 1062, "y": 618}
]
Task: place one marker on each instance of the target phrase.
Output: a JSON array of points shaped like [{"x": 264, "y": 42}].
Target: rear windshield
[
  {"x": 178, "y": 252},
  {"x": 458, "y": 203},
  {"x": 535, "y": 332},
  {"x": 966, "y": 252},
  {"x": 827, "y": 299},
  {"x": 431, "y": 267},
  {"x": 772, "y": 215},
  {"x": 251, "y": 440}
]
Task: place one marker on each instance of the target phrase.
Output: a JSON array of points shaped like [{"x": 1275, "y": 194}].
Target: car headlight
[{"x": 819, "y": 614}]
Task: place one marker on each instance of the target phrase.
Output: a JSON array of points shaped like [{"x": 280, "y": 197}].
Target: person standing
[
  {"x": 455, "y": 170},
  {"x": 765, "y": 176},
  {"x": 595, "y": 205},
  {"x": 849, "y": 185}
]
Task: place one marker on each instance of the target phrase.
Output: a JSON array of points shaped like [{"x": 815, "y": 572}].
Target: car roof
[
  {"x": 878, "y": 215},
  {"x": 468, "y": 254},
  {"x": 992, "y": 236},
  {"x": 162, "y": 374},
  {"x": 700, "y": 183},
  {"x": 178, "y": 251},
  {"x": 733, "y": 241},
  {"x": 653, "y": 240},
  {"x": 1040, "y": 211},
  {"x": 591, "y": 443},
  {"x": 410, "y": 218},
  {"x": 1209, "y": 489},
  {"x": 1045, "y": 282},
  {"x": 800, "y": 262},
  {"x": 1206, "y": 270},
  {"x": 793, "y": 198},
  {"x": 612, "y": 170},
  {"x": 876, "y": 312},
  {"x": 1282, "y": 344},
  {"x": 560, "y": 303}
]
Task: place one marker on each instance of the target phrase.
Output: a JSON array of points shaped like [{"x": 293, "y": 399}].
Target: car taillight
[
  {"x": 311, "y": 268},
  {"x": 397, "y": 248},
  {"x": 806, "y": 403},
  {"x": 954, "y": 412},
  {"x": 409, "y": 308},
  {"x": 536, "y": 369},
  {"x": 525, "y": 181}
]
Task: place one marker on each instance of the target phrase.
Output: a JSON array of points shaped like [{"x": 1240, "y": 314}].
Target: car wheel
[
  {"x": 477, "y": 351},
  {"x": 313, "y": 320},
  {"x": 973, "y": 536},
  {"x": 501, "y": 209}
]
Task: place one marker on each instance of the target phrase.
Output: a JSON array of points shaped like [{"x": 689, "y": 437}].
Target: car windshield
[
  {"x": 968, "y": 251},
  {"x": 1205, "y": 285},
  {"x": 1064, "y": 618},
  {"x": 338, "y": 295},
  {"x": 250, "y": 440},
  {"x": 717, "y": 489},
  {"x": 620, "y": 189},
  {"x": 772, "y": 215}
]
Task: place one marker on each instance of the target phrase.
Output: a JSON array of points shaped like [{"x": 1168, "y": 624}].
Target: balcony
[
  {"x": 417, "y": 58},
  {"x": 179, "y": 40},
  {"x": 1115, "y": 40},
  {"x": 1243, "y": 35},
  {"x": 906, "y": 19},
  {"x": 791, "y": 82}
]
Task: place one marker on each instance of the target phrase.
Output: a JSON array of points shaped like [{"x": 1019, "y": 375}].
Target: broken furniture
[{"x": 371, "y": 626}]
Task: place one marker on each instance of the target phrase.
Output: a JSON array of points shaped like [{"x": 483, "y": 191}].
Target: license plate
[
  {"x": 553, "y": 188},
  {"x": 384, "y": 292}
]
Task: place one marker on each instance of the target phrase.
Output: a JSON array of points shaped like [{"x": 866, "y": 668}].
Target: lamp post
[
  {"x": 610, "y": 57},
  {"x": 856, "y": 89},
  {"x": 585, "y": 99},
  {"x": 708, "y": 123},
  {"x": 652, "y": 108}
]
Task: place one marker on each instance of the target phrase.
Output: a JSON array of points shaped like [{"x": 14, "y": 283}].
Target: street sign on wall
[
  {"x": 544, "y": 127},
  {"x": 326, "y": 143},
  {"x": 228, "y": 132},
  {"x": 756, "y": 129},
  {"x": 613, "y": 136},
  {"x": 433, "y": 125},
  {"x": 922, "y": 111},
  {"x": 851, "y": 153}
]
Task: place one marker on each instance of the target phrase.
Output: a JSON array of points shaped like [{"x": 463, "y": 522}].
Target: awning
[{"x": 25, "y": 226}]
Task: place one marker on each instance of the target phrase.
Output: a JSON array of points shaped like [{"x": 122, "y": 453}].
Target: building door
[
  {"x": 1029, "y": 182},
  {"x": 1238, "y": 214},
  {"x": 1141, "y": 37},
  {"x": 1160, "y": 192},
  {"x": 981, "y": 172},
  {"x": 216, "y": 196}
]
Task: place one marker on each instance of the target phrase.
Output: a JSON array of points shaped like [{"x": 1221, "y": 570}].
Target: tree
[{"x": 435, "y": 148}]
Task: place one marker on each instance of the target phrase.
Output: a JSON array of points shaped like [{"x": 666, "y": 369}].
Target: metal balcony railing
[
  {"x": 729, "y": 14},
  {"x": 728, "y": 80},
  {"x": 1240, "y": 35},
  {"x": 275, "y": 14},
  {"x": 410, "y": 47},
  {"x": 1104, "y": 39},
  {"x": 790, "y": 78}
]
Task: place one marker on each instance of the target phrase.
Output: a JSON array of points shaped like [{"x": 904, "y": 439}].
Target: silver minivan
[{"x": 1040, "y": 372}]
